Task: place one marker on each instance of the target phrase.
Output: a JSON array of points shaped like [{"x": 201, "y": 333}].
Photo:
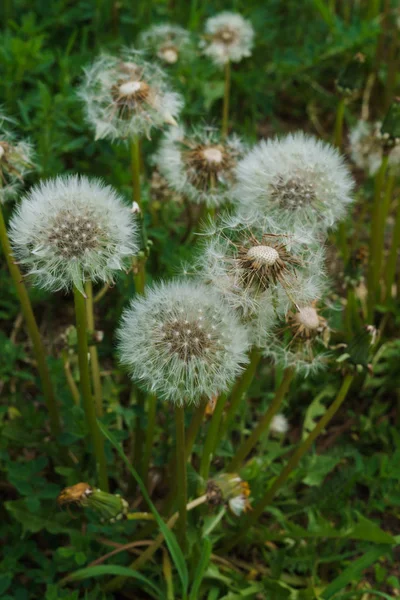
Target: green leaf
[
  {"x": 315, "y": 410},
  {"x": 354, "y": 571},
  {"x": 99, "y": 570},
  {"x": 370, "y": 531},
  {"x": 173, "y": 546},
  {"x": 200, "y": 569},
  {"x": 35, "y": 522}
]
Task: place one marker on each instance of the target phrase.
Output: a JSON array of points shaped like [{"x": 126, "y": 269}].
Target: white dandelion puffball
[
  {"x": 199, "y": 164},
  {"x": 228, "y": 37},
  {"x": 292, "y": 181},
  {"x": 366, "y": 146},
  {"x": 182, "y": 342},
  {"x": 279, "y": 424},
  {"x": 259, "y": 271},
  {"x": 16, "y": 161},
  {"x": 70, "y": 229},
  {"x": 300, "y": 340},
  {"x": 127, "y": 96},
  {"x": 167, "y": 42}
]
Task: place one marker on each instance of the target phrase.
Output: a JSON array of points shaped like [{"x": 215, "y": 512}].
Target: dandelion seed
[
  {"x": 228, "y": 37},
  {"x": 175, "y": 355},
  {"x": 296, "y": 181},
  {"x": 58, "y": 259},
  {"x": 199, "y": 164},
  {"x": 170, "y": 43},
  {"x": 127, "y": 96},
  {"x": 16, "y": 161}
]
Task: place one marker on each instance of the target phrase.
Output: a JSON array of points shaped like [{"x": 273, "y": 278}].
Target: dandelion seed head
[
  {"x": 178, "y": 352},
  {"x": 366, "y": 149},
  {"x": 168, "y": 42},
  {"x": 199, "y": 164},
  {"x": 292, "y": 182},
  {"x": 228, "y": 37},
  {"x": 307, "y": 316},
  {"x": 279, "y": 424},
  {"x": 127, "y": 96},
  {"x": 70, "y": 229},
  {"x": 16, "y": 161}
]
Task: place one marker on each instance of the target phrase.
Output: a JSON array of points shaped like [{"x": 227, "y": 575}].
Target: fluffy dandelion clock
[
  {"x": 300, "y": 340},
  {"x": 199, "y": 164},
  {"x": 167, "y": 42},
  {"x": 127, "y": 96},
  {"x": 70, "y": 229},
  {"x": 253, "y": 269},
  {"x": 292, "y": 181},
  {"x": 15, "y": 161},
  {"x": 182, "y": 342},
  {"x": 366, "y": 146},
  {"x": 279, "y": 424},
  {"x": 228, "y": 37}
]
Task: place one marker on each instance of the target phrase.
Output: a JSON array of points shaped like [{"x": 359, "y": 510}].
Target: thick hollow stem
[
  {"x": 393, "y": 255},
  {"x": 135, "y": 169},
  {"x": 94, "y": 357},
  {"x": 225, "y": 108},
  {"x": 293, "y": 462},
  {"x": 212, "y": 433},
  {"x": 264, "y": 423},
  {"x": 338, "y": 133},
  {"x": 181, "y": 474},
  {"x": 375, "y": 236},
  {"x": 383, "y": 215},
  {"x": 86, "y": 392},
  {"x": 33, "y": 331},
  {"x": 150, "y": 429},
  {"x": 239, "y": 389}
]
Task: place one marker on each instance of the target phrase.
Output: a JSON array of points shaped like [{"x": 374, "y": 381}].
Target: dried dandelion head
[
  {"x": 251, "y": 269},
  {"x": 182, "y": 342},
  {"x": 169, "y": 43},
  {"x": 16, "y": 161},
  {"x": 294, "y": 181},
  {"x": 230, "y": 490},
  {"x": 228, "y": 37},
  {"x": 70, "y": 229},
  {"x": 301, "y": 340},
  {"x": 127, "y": 96},
  {"x": 200, "y": 164}
]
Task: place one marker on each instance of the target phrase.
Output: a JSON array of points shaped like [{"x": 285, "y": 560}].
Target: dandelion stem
[
  {"x": 33, "y": 331},
  {"x": 212, "y": 433},
  {"x": 139, "y": 268},
  {"x": 150, "y": 429},
  {"x": 193, "y": 429},
  {"x": 181, "y": 473},
  {"x": 381, "y": 226},
  {"x": 338, "y": 133},
  {"x": 393, "y": 253},
  {"x": 240, "y": 388},
  {"x": 86, "y": 392},
  {"x": 376, "y": 223},
  {"x": 225, "y": 108},
  {"x": 135, "y": 168},
  {"x": 70, "y": 380},
  {"x": 94, "y": 357},
  {"x": 293, "y": 462},
  {"x": 264, "y": 423}
]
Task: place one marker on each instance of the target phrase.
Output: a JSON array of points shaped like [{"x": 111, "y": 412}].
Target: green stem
[
  {"x": 86, "y": 392},
  {"x": 338, "y": 133},
  {"x": 135, "y": 169},
  {"x": 209, "y": 444},
  {"x": 225, "y": 108},
  {"x": 194, "y": 427},
  {"x": 264, "y": 423},
  {"x": 33, "y": 331},
  {"x": 181, "y": 473},
  {"x": 376, "y": 219},
  {"x": 139, "y": 269},
  {"x": 239, "y": 389},
  {"x": 393, "y": 255},
  {"x": 150, "y": 429},
  {"x": 94, "y": 357},
  {"x": 381, "y": 226},
  {"x": 139, "y": 434},
  {"x": 293, "y": 462}
]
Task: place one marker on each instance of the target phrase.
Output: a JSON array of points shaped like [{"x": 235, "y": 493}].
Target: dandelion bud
[
  {"x": 70, "y": 229},
  {"x": 199, "y": 164},
  {"x": 182, "y": 342},
  {"x": 109, "y": 507},
  {"x": 296, "y": 181},
  {"x": 229, "y": 489},
  {"x": 127, "y": 96},
  {"x": 169, "y": 43},
  {"x": 228, "y": 37},
  {"x": 15, "y": 162}
]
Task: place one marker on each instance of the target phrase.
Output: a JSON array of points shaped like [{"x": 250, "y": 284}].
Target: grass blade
[
  {"x": 201, "y": 569},
  {"x": 170, "y": 539}
]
